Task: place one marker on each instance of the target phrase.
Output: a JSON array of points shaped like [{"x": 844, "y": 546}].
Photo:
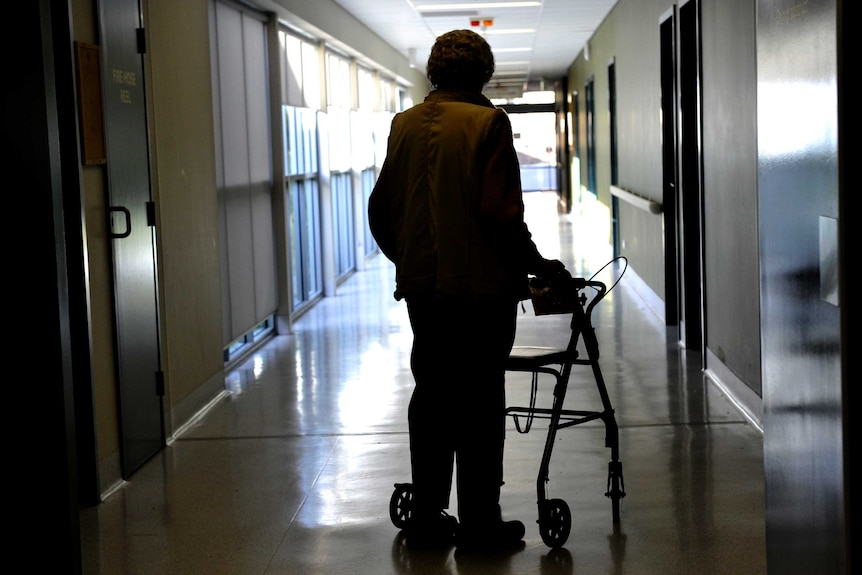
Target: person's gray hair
[{"x": 460, "y": 59}]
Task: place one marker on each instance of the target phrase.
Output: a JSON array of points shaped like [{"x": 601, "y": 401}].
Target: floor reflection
[{"x": 291, "y": 472}]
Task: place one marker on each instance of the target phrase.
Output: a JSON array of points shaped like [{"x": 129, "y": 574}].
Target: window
[
  {"x": 301, "y": 74},
  {"x": 340, "y": 102},
  {"x": 342, "y": 225},
  {"x": 301, "y": 186},
  {"x": 244, "y": 170}
]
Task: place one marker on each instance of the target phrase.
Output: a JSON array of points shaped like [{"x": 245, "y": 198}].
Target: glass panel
[
  {"x": 536, "y": 145},
  {"x": 308, "y": 122},
  {"x": 295, "y": 192},
  {"x": 312, "y": 248},
  {"x": 232, "y": 98},
  {"x": 382, "y": 122},
  {"x": 362, "y": 146},
  {"x": 368, "y": 179},
  {"x": 305, "y": 252},
  {"x": 289, "y": 131},
  {"x": 257, "y": 101},
  {"x": 293, "y": 74},
  {"x": 404, "y": 100},
  {"x": 310, "y": 76},
  {"x": 387, "y": 102},
  {"x": 339, "y": 139},
  {"x": 343, "y": 213},
  {"x": 365, "y": 90},
  {"x": 300, "y": 145},
  {"x": 338, "y": 82},
  {"x": 304, "y": 203}
]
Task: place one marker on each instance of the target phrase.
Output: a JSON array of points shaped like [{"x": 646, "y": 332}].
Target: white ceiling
[{"x": 531, "y": 44}]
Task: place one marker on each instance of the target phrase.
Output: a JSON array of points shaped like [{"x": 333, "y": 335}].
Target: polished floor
[{"x": 292, "y": 471}]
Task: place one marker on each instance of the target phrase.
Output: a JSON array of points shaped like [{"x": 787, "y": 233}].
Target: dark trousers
[{"x": 457, "y": 411}]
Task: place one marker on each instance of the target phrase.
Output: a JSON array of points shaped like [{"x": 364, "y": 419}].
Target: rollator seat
[{"x": 525, "y": 357}]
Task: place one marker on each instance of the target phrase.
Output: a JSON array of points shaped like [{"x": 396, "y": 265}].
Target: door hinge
[
  {"x": 151, "y": 214},
  {"x": 160, "y": 383},
  {"x": 142, "y": 41}
]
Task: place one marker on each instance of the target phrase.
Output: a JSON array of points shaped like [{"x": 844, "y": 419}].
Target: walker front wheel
[
  {"x": 401, "y": 504},
  {"x": 616, "y": 490}
]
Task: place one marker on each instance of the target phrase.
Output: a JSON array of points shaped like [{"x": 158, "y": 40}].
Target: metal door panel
[{"x": 133, "y": 243}]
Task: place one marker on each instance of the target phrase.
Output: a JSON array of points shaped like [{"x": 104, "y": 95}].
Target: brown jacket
[{"x": 447, "y": 207}]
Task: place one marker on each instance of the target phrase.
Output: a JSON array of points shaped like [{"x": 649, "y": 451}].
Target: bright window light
[{"x": 538, "y": 97}]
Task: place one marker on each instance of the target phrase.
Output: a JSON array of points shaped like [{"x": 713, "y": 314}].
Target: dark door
[
  {"x": 612, "y": 116},
  {"x": 590, "y": 105},
  {"x": 667, "y": 33},
  {"x": 690, "y": 179},
  {"x": 133, "y": 234}
]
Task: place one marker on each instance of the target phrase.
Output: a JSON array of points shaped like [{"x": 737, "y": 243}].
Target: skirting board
[{"x": 743, "y": 397}]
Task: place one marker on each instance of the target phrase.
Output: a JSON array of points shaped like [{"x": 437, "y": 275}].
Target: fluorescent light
[
  {"x": 477, "y": 6},
  {"x": 498, "y": 31},
  {"x": 506, "y": 50},
  {"x": 450, "y": 14}
]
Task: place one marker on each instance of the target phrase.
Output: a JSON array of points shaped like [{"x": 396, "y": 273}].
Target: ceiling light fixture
[
  {"x": 477, "y": 6},
  {"x": 499, "y": 31}
]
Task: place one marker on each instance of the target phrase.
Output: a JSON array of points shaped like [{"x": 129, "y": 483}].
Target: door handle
[{"x": 127, "y": 216}]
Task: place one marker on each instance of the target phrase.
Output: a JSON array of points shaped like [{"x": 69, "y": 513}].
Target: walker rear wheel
[
  {"x": 555, "y": 522},
  {"x": 401, "y": 504}
]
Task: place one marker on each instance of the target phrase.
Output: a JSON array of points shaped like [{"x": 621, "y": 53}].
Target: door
[
  {"x": 682, "y": 173},
  {"x": 612, "y": 118},
  {"x": 690, "y": 180},
  {"x": 132, "y": 230},
  {"x": 591, "y": 136},
  {"x": 667, "y": 35}
]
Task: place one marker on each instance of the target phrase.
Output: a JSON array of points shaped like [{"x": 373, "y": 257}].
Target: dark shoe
[
  {"x": 438, "y": 531},
  {"x": 496, "y": 536}
]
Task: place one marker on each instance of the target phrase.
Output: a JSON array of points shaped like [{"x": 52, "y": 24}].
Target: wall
[
  {"x": 179, "y": 92},
  {"x": 635, "y": 57},
  {"x": 729, "y": 159},
  {"x": 730, "y": 187},
  {"x": 806, "y": 412},
  {"x": 775, "y": 313},
  {"x": 100, "y": 281},
  {"x": 184, "y": 188}
]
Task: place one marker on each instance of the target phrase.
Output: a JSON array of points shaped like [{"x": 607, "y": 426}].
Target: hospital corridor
[{"x": 291, "y": 471}]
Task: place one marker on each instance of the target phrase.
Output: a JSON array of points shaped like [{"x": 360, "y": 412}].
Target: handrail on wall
[{"x": 637, "y": 200}]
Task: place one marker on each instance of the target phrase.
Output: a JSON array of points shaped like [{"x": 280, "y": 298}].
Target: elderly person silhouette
[{"x": 448, "y": 211}]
